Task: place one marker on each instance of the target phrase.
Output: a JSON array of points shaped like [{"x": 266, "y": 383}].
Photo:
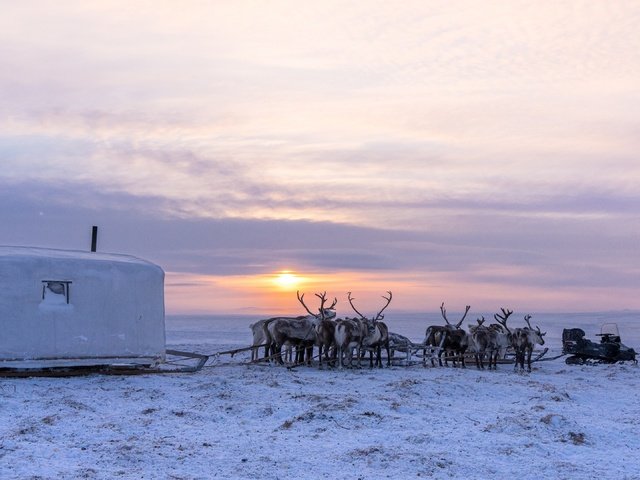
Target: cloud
[{"x": 489, "y": 247}]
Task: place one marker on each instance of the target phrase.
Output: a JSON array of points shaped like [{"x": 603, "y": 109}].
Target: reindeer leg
[
  {"x": 299, "y": 354},
  {"x": 521, "y": 353},
  {"x": 278, "y": 353}
]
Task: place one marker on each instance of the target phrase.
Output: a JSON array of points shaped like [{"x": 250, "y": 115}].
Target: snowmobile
[{"x": 584, "y": 351}]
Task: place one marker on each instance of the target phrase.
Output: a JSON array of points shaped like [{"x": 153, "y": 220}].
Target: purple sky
[{"x": 481, "y": 153}]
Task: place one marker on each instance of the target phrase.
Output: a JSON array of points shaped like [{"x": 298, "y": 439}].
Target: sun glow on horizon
[{"x": 287, "y": 280}]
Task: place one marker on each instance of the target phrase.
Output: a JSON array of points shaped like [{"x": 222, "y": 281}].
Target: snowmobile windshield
[{"x": 610, "y": 329}]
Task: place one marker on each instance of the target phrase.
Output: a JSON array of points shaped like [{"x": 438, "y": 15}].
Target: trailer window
[{"x": 56, "y": 291}]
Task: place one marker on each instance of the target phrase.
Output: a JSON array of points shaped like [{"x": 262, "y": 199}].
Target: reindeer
[
  {"x": 533, "y": 337},
  {"x": 502, "y": 324},
  {"x": 376, "y": 335},
  {"x": 260, "y": 337},
  {"x": 502, "y": 338},
  {"x": 325, "y": 315},
  {"x": 481, "y": 339},
  {"x": 488, "y": 340},
  {"x": 449, "y": 338},
  {"x": 523, "y": 340},
  {"x": 325, "y": 340},
  {"x": 348, "y": 336},
  {"x": 300, "y": 331},
  {"x": 434, "y": 338}
]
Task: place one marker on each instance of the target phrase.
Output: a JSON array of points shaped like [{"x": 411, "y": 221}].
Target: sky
[{"x": 479, "y": 153}]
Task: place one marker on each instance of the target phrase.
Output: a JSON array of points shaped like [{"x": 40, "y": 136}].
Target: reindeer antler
[
  {"x": 350, "y": 298},
  {"x": 301, "y": 300},
  {"x": 323, "y": 299},
  {"x": 335, "y": 300},
  {"x": 443, "y": 311},
  {"x": 502, "y": 319},
  {"x": 379, "y": 315},
  {"x": 480, "y": 321},
  {"x": 444, "y": 315},
  {"x": 526, "y": 319},
  {"x": 467, "y": 308}
]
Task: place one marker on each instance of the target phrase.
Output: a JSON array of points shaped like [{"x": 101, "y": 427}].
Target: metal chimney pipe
[{"x": 94, "y": 238}]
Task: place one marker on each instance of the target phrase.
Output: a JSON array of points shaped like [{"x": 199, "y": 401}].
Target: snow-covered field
[{"x": 233, "y": 420}]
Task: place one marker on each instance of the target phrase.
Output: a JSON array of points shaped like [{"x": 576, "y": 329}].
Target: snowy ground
[{"x": 246, "y": 421}]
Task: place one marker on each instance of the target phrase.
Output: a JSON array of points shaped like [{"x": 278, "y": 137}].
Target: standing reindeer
[
  {"x": 348, "y": 336},
  {"x": 488, "y": 340},
  {"x": 300, "y": 331},
  {"x": 377, "y": 333},
  {"x": 325, "y": 340},
  {"x": 450, "y": 338},
  {"x": 260, "y": 337},
  {"x": 523, "y": 340},
  {"x": 481, "y": 338}
]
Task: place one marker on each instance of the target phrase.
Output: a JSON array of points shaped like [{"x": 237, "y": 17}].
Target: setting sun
[{"x": 287, "y": 280}]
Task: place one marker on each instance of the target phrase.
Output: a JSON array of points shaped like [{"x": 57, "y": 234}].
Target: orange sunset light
[{"x": 287, "y": 280}]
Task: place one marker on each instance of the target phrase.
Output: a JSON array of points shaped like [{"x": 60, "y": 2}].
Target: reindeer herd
[{"x": 341, "y": 341}]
